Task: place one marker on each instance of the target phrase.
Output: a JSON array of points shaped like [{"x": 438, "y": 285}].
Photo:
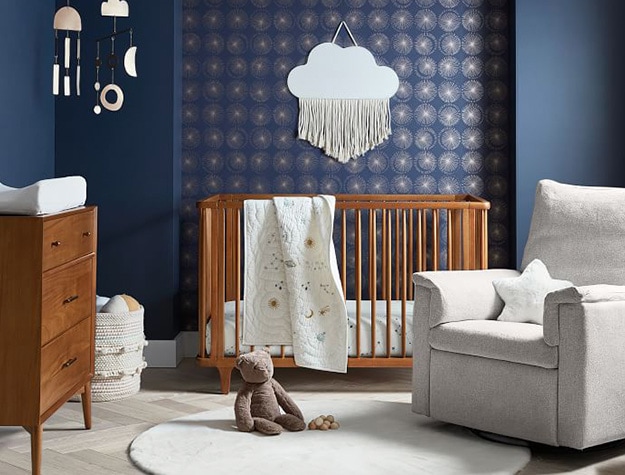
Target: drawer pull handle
[
  {"x": 56, "y": 243},
  {"x": 69, "y": 362},
  {"x": 86, "y": 234},
  {"x": 70, "y": 299}
]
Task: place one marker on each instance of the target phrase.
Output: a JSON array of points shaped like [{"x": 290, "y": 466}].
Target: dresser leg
[
  {"x": 36, "y": 436},
  {"x": 86, "y": 405}
]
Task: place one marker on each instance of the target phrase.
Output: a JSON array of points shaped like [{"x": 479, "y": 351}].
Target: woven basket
[
  {"x": 112, "y": 389},
  {"x": 119, "y": 329},
  {"x": 122, "y": 362},
  {"x": 119, "y": 343}
]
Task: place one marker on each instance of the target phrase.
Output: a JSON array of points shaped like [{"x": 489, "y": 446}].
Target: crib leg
[{"x": 225, "y": 373}]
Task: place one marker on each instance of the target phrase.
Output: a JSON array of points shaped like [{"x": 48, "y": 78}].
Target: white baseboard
[
  {"x": 169, "y": 353},
  {"x": 188, "y": 344}
]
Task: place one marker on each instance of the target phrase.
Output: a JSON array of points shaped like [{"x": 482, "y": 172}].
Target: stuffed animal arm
[
  {"x": 285, "y": 401},
  {"x": 245, "y": 422}
]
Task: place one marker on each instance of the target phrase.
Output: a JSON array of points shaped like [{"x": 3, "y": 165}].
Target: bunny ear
[
  {"x": 237, "y": 362},
  {"x": 266, "y": 349}
]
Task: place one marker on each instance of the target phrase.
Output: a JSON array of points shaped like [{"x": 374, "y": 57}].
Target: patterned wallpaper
[{"x": 450, "y": 116}]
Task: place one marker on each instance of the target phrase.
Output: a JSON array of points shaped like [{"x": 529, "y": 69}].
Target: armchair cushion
[
  {"x": 507, "y": 341},
  {"x": 524, "y": 296}
]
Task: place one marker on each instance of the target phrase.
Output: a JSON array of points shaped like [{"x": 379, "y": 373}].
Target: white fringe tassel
[{"x": 344, "y": 128}]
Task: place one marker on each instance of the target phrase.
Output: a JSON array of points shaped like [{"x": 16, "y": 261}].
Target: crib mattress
[
  {"x": 365, "y": 330},
  {"x": 43, "y": 197}
]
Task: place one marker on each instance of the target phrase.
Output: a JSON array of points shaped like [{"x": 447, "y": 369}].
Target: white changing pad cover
[{"x": 45, "y": 196}]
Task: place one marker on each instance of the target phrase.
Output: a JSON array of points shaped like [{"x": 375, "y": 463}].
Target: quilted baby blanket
[{"x": 292, "y": 289}]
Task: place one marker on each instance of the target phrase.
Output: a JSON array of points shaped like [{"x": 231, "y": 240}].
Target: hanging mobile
[
  {"x": 130, "y": 59},
  {"x": 114, "y": 8},
  {"x": 66, "y": 85},
  {"x": 78, "y": 65},
  {"x": 68, "y": 19},
  {"x": 112, "y": 87},
  {"x": 56, "y": 68},
  {"x": 98, "y": 62}
]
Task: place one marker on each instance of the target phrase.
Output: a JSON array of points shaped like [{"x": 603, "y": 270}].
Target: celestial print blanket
[{"x": 292, "y": 290}]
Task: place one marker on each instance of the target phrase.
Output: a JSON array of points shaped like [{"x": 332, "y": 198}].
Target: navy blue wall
[
  {"x": 570, "y": 97},
  {"x": 130, "y": 158},
  {"x": 27, "y": 112}
]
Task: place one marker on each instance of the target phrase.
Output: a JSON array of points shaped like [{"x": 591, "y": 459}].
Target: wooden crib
[{"x": 380, "y": 240}]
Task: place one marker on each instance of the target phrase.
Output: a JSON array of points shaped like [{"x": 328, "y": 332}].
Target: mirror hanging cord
[{"x": 338, "y": 29}]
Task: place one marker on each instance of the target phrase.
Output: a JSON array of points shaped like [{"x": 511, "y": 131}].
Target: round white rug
[{"x": 375, "y": 437}]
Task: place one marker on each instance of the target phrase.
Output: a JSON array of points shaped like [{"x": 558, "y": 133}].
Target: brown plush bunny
[{"x": 258, "y": 402}]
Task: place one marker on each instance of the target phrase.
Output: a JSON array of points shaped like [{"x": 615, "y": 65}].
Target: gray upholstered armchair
[{"x": 562, "y": 383}]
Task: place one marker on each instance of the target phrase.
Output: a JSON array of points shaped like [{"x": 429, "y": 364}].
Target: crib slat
[
  {"x": 237, "y": 279},
  {"x": 203, "y": 279},
  {"x": 229, "y": 245},
  {"x": 457, "y": 238},
  {"x": 424, "y": 239},
  {"x": 450, "y": 248},
  {"x": 397, "y": 254},
  {"x": 344, "y": 251},
  {"x": 435, "y": 242},
  {"x": 389, "y": 293},
  {"x": 385, "y": 244},
  {"x": 403, "y": 253},
  {"x": 468, "y": 243},
  {"x": 372, "y": 264},
  {"x": 410, "y": 251},
  {"x": 404, "y": 285},
  {"x": 484, "y": 242},
  {"x": 217, "y": 325},
  {"x": 419, "y": 256},
  {"x": 358, "y": 276},
  {"x": 474, "y": 239},
  {"x": 373, "y": 276}
]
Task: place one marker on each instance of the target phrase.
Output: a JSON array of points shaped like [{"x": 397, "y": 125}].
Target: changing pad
[{"x": 45, "y": 196}]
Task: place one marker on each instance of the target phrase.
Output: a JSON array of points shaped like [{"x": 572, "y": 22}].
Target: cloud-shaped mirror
[{"x": 333, "y": 72}]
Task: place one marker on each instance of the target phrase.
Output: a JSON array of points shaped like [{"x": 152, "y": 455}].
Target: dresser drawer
[
  {"x": 65, "y": 362},
  {"x": 67, "y": 237},
  {"x": 67, "y": 298}
]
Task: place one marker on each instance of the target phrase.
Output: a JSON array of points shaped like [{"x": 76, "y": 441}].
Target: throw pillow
[{"x": 524, "y": 296}]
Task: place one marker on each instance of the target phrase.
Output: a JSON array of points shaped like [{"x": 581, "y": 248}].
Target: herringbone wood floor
[{"x": 170, "y": 393}]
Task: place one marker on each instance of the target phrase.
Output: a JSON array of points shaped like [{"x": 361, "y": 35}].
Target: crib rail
[{"x": 380, "y": 240}]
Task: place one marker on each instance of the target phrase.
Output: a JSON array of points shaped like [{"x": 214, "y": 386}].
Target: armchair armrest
[
  {"x": 575, "y": 295},
  {"x": 447, "y": 296},
  {"x": 461, "y": 295},
  {"x": 588, "y": 326}
]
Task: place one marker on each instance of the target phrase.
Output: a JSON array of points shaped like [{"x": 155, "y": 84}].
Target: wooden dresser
[{"x": 47, "y": 317}]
